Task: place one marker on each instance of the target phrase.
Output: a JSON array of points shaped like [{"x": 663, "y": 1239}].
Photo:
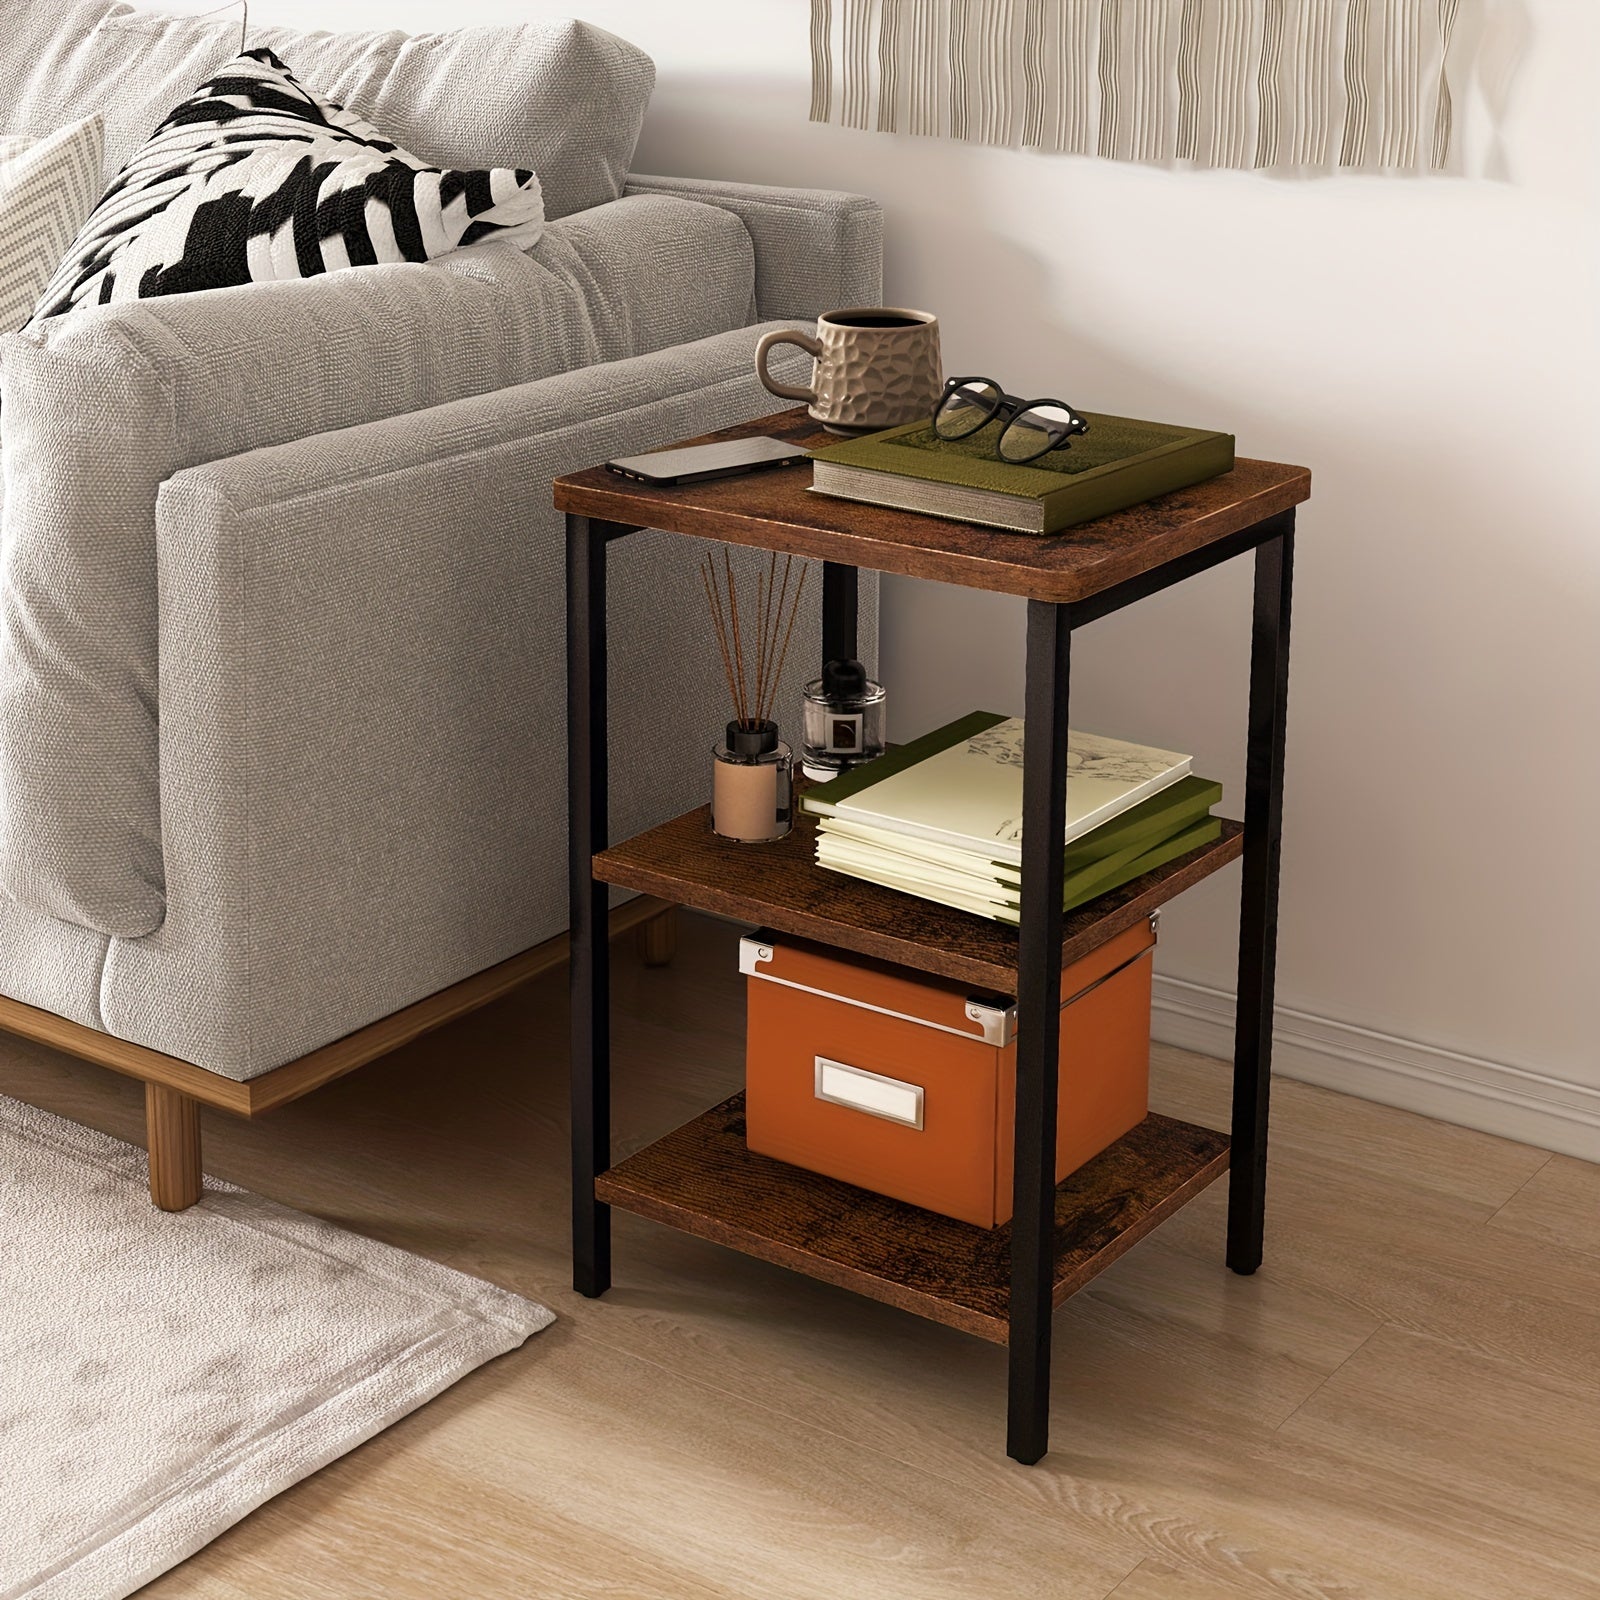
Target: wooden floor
[{"x": 1404, "y": 1404}]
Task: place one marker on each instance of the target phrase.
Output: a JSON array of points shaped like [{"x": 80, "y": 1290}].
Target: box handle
[{"x": 871, "y": 1092}]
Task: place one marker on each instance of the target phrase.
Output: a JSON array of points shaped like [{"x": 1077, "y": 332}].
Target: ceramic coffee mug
[{"x": 875, "y": 367}]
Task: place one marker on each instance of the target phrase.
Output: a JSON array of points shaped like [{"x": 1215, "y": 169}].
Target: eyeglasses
[{"x": 1033, "y": 428}]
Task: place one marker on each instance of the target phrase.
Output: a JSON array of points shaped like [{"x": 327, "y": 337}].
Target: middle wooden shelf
[{"x": 780, "y": 886}]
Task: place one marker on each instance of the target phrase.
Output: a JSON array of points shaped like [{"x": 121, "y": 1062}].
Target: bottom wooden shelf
[{"x": 701, "y": 1179}]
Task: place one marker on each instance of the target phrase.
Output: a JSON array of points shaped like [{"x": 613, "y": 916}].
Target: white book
[
  {"x": 968, "y": 795},
  {"x": 860, "y": 858},
  {"x": 979, "y": 905},
  {"x": 864, "y": 835}
]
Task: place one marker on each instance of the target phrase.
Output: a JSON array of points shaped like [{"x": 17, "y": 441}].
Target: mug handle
[{"x": 786, "y": 336}]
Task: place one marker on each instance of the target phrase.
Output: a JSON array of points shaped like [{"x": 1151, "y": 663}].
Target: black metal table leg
[
  {"x": 840, "y": 611},
  {"x": 1044, "y": 808},
  {"x": 590, "y": 970},
  {"x": 1258, "y": 922}
]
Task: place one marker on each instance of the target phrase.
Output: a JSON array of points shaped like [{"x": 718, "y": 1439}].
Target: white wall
[{"x": 1429, "y": 348}]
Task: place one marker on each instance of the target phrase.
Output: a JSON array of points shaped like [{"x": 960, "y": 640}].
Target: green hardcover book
[
  {"x": 1119, "y": 462},
  {"x": 1125, "y": 866}
]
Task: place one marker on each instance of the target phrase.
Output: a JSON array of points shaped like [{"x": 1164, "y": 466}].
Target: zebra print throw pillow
[{"x": 256, "y": 177}]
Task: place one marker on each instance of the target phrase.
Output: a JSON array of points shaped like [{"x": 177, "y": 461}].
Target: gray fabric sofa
[{"x": 281, "y": 587}]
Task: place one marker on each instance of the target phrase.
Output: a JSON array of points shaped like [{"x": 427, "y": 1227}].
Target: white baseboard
[{"x": 1487, "y": 1095}]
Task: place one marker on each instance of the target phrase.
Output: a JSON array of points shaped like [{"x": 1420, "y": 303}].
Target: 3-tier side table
[{"x": 1003, "y": 1283}]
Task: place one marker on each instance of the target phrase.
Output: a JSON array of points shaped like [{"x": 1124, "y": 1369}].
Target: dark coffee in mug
[{"x": 849, "y": 319}]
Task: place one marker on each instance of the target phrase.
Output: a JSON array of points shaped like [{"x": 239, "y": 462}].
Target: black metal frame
[{"x": 1049, "y": 654}]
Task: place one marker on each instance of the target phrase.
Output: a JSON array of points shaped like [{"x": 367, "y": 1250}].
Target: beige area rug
[{"x": 162, "y": 1375}]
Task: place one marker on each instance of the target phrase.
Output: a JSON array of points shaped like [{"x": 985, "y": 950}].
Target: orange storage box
[{"x": 906, "y": 1084}]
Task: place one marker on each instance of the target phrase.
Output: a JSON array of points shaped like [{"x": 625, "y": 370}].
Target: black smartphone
[{"x": 697, "y": 462}]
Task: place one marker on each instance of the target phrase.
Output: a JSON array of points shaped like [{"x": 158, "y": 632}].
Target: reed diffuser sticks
[{"x": 753, "y": 683}]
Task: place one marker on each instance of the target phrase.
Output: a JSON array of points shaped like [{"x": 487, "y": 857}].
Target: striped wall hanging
[{"x": 1222, "y": 83}]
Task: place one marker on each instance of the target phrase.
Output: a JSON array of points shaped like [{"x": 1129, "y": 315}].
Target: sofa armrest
[
  {"x": 99, "y": 410},
  {"x": 362, "y": 730},
  {"x": 815, "y": 249}
]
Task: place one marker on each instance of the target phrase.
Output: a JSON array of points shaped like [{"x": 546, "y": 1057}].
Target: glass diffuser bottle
[{"x": 845, "y": 720}]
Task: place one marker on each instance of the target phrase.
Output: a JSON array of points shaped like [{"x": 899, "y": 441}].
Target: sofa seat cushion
[
  {"x": 51, "y": 965},
  {"x": 562, "y": 98},
  {"x": 256, "y": 177}
]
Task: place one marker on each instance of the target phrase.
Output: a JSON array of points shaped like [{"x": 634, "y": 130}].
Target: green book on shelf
[
  {"x": 1119, "y": 462},
  {"x": 1125, "y": 866},
  {"x": 1187, "y": 802}
]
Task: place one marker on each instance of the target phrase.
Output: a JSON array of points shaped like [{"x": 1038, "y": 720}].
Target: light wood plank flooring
[{"x": 1403, "y": 1405}]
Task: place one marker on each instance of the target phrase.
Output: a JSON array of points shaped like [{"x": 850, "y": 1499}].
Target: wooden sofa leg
[
  {"x": 172, "y": 1132},
  {"x": 658, "y": 938}
]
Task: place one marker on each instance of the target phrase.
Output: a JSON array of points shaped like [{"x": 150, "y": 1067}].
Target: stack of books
[{"x": 941, "y": 818}]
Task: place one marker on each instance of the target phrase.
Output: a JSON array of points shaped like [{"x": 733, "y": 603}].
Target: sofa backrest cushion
[{"x": 564, "y": 98}]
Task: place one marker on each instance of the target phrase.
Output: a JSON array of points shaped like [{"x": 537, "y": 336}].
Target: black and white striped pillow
[{"x": 255, "y": 177}]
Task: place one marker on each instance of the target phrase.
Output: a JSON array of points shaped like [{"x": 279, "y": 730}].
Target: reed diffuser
[{"x": 752, "y": 787}]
